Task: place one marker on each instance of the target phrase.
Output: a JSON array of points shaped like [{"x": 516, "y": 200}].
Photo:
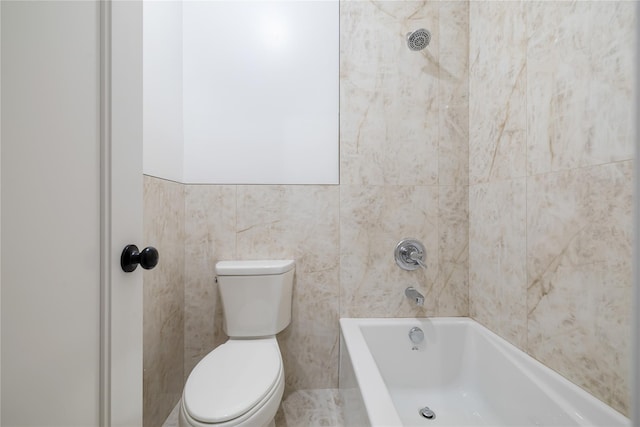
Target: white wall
[
  {"x": 241, "y": 92},
  {"x": 162, "y": 89},
  {"x": 261, "y": 92}
]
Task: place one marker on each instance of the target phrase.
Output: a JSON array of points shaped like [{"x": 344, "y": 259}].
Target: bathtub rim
[
  {"x": 384, "y": 412},
  {"x": 377, "y": 401}
]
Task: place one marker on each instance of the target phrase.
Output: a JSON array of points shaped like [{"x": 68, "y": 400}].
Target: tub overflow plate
[{"x": 427, "y": 413}]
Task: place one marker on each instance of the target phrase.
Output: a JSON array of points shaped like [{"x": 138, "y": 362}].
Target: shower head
[{"x": 419, "y": 39}]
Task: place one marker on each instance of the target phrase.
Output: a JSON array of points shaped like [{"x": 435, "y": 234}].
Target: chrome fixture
[
  {"x": 416, "y": 335},
  {"x": 414, "y": 295},
  {"x": 427, "y": 413},
  {"x": 419, "y": 39},
  {"x": 410, "y": 254}
]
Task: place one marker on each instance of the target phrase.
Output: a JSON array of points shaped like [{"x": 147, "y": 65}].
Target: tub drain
[{"x": 427, "y": 413}]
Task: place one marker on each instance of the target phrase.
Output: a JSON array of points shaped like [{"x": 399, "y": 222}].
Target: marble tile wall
[
  {"x": 403, "y": 154},
  {"x": 163, "y": 314},
  {"x": 550, "y": 174},
  {"x": 210, "y": 221}
]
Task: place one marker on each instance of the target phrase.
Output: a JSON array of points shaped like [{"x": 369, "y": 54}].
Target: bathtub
[{"x": 465, "y": 374}]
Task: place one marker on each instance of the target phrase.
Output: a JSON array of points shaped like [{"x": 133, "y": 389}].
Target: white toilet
[{"x": 241, "y": 382}]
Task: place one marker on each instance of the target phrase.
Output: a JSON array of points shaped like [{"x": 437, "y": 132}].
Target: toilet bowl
[{"x": 241, "y": 382}]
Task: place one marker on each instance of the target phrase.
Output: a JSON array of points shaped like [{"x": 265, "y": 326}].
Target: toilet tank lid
[{"x": 254, "y": 267}]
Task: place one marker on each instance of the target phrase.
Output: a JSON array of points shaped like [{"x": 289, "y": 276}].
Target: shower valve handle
[{"x": 410, "y": 254}]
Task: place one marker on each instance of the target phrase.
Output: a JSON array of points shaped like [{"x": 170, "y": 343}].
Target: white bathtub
[{"x": 467, "y": 375}]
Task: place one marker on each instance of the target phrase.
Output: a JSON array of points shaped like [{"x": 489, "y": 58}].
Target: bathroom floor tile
[
  {"x": 172, "y": 419},
  {"x": 302, "y": 408},
  {"x": 311, "y": 408}
]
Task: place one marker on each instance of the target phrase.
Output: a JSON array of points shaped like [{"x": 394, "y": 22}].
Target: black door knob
[{"x": 131, "y": 257}]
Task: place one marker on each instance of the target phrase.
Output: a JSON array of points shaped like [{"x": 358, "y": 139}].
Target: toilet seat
[{"x": 235, "y": 379}]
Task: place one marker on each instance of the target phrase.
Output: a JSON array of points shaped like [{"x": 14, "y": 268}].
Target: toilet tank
[{"x": 256, "y": 296}]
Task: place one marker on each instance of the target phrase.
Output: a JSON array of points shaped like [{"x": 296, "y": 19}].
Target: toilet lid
[{"x": 232, "y": 379}]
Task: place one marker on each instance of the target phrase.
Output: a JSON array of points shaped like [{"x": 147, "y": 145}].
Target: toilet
[{"x": 241, "y": 382}]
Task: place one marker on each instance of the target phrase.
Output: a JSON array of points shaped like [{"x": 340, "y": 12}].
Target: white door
[{"x": 71, "y": 199}]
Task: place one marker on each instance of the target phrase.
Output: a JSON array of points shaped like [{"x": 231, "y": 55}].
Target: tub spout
[{"x": 414, "y": 295}]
